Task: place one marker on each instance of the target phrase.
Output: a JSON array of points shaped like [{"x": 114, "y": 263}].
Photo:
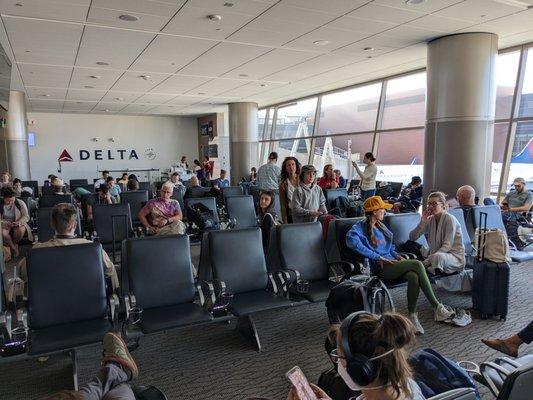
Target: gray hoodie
[{"x": 306, "y": 199}]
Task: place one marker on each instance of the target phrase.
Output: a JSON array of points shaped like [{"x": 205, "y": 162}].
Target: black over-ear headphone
[{"x": 359, "y": 367}]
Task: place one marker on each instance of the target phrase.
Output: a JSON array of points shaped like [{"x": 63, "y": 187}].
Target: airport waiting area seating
[
  {"x": 50, "y": 200},
  {"x": 231, "y": 191},
  {"x": 241, "y": 211},
  {"x": 332, "y": 195},
  {"x": 112, "y": 224},
  {"x": 209, "y": 202},
  {"x": 45, "y": 230},
  {"x": 136, "y": 199}
]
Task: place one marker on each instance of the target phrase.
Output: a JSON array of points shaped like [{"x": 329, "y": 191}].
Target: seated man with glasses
[
  {"x": 162, "y": 216},
  {"x": 516, "y": 202}
]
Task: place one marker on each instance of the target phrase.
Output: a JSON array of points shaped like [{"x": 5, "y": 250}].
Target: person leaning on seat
[
  {"x": 371, "y": 239},
  {"x": 163, "y": 216},
  {"x": 64, "y": 221},
  {"x": 446, "y": 252}
]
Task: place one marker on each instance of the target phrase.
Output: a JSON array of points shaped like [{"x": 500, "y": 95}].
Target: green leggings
[{"x": 415, "y": 274}]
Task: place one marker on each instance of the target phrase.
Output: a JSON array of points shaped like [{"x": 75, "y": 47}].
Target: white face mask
[{"x": 341, "y": 369}]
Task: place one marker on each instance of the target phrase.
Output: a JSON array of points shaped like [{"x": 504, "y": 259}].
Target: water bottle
[{"x": 366, "y": 267}]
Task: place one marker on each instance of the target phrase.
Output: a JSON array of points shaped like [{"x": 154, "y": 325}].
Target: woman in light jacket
[
  {"x": 308, "y": 201},
  {"x": 446, "y": 252},
  {"x": 368, "y": 176},
  {"x": 15, "y": 217},
  {"x": 290, "y": 180}
]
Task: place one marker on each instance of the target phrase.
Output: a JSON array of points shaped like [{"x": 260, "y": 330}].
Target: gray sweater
[{"x": 306, "y": 199}]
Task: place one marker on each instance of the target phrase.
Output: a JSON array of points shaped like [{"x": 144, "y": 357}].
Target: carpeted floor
[{"x": 214, "y": 362}]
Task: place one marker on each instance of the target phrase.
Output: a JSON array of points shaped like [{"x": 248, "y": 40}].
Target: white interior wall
[{"x": 168, "y": 137}]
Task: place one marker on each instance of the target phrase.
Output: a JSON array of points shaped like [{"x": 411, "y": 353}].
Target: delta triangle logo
[{"x": 64, "y": 157}]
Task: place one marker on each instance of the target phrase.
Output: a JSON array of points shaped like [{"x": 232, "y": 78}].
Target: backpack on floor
[
  {"x": 348, "y": 208},
  {"x": 202, "y": 217},
  {"x": 437, "y": 374},
  {"x": 359, "y": 293}
]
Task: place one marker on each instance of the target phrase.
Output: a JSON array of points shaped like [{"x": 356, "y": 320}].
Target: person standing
[
  {"x": 290, "y": 180},
  {"x": 268, "y": 175},
  {"x": 308, "y": 202},
  {"x": 368, "y": 176}
]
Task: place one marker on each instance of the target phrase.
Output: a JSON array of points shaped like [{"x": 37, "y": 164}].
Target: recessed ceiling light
[
  {"x": 214, "y": 17},
  {"x": 217, "y": 29},
  {"x": 368, "y": 49},
  {"x": 483, "y": 16},
  {"x": 321, "y": 42},
  {"x": 19, "y": 4},
  {"x": 27, "y": 51},
  {"x": 243, "y": 75},
  {"x": 88, "y": 87},
  {"x": 414, "y": 2},
  {"x": 145, "y": 77},
  {"x": 228, "y": 4},
  {"x": 201, "y": 93},
  {"x": 128, "y": 18},
  {"x": 369, "y": 57},
  {"x": 264, "y": 85},
  {"x": 45, "y": 95},
  {"x": 101, "y": 63},
  {"x": 95, "y": 77},
  {"x": 79, "y": 102}
]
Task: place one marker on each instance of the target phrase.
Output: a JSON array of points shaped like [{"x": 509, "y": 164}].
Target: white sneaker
[
  {"x": 443, "y": 313},
  {"x": 419, "y": 329},
  {"x": 462, "y": 318}
]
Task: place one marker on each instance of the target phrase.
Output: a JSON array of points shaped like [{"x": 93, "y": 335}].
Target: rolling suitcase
[{"x": 490, "y": 284}]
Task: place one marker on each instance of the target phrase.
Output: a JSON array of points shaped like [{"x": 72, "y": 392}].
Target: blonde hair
[{"x": 440, "y": 196}]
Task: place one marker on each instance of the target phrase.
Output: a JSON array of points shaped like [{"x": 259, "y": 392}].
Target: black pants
[{"x": 526, "y": 334}]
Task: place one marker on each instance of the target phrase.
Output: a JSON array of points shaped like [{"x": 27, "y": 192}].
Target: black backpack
[
  {"x": 347, "y": 208},
  {"x": 332, "y": 383},
  {"x": 359, "y": 293},
  {"x": 202, "y": 217}
]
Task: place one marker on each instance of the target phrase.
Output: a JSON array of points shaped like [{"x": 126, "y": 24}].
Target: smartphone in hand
[{"x": 301, "y": 384}]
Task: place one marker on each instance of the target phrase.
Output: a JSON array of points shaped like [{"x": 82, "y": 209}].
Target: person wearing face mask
[
  {"x": 368, "y": 176},
  {"x": 371, "y": 239},
  {"x": 371, "y": 356},
  {"x": 446, "y": 252},
  {"x": 308, "y": 201}
]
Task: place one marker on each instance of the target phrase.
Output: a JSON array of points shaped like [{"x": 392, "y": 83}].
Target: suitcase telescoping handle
[{"x": 481, "y": 237}]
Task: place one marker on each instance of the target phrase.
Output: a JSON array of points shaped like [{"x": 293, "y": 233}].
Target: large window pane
[
  {"x": 522, "y": 160},
  {"x": 400, "y": 155},
  {"x": 405, "y": 102},
  {"x": 270, "y": 120},
  {"x": 506, "y": 70},
  {"x": 498, "y": 151},
  {"x": 526, "y": 101},
  {"x": 353, "y": 110},
  {"x": 340, "y": 151},
  {"x": 264, "y": 148},
  {"x": 261, "y": 119},
  {"x": 296, "y": 119},
  {"x": 298, "y": 148}
]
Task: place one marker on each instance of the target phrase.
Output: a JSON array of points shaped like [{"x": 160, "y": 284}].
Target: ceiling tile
[
  {"x": 478, "y": 11},
  {"x": 155, "y": 7},
  {"x": 45, "y": 93},
  {"x": 135, "y": 109},
  {"x": 46, "y": 104},
  {"x": 507, "y": 25},
  {"x": 121, "y": 97},
  {"x": 43, "y": 42},
  {"x": 249, "y": 89},
  {"x": 248, "y": 7},
  {"x": 64, "y": 10},
  {"x": 155, "y": 98},
  {"x": 223, "y": 58},
  {"x": 78, "y": 106},
  {"x": 186, "y": 100},
  {"x": 117, "y": 47},
  {"x": 112, "y": 107},
  {"x": 283, "y": 12},
  {"x": 338, "y": 6},
  {"x": 263, "y": 37},
  {"x": 376, "y": 12},
  {"x": 216, "y": 87},
  {"x": 170, "y": 53},
  {"x": 404, "y": 35},
  {"x": 85, "y": 94},
  {"x": 179, "y": 84},
  {"x": 436, "y": 23},
  {"x": 424, "y": 7},
  {"x": 193, "y": 21},
  {"x": 361, "y": 25},
  {"x": 46, "y": 76},
  {"x": 132, "y": 82},
  {"x": 109, "y": 17},
  {"x": 103, "y": 78},
  {"x": 269, "y": 63},
  {"x": 380, "y": 45},
  {"x": 335, "y": 37}
]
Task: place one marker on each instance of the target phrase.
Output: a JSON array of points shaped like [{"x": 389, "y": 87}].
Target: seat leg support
[
  {"x": 246, "y": 327},
  {"x": 74, "y": 368}
]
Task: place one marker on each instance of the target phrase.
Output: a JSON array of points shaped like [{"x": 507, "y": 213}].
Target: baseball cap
[{"x": 375, "y": 203}]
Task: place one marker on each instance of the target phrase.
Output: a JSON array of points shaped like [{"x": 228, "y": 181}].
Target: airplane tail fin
[{"x": 526, "y": 154}]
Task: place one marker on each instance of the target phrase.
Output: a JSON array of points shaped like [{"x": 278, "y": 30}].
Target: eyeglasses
[
  {"x": 335, "y": 357},
  {"x": 166, "y": 191},
  {"x": 432, "y": 203}
]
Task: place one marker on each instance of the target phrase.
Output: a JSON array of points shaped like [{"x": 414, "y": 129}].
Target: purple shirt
[{"x": 158, "y": 208}]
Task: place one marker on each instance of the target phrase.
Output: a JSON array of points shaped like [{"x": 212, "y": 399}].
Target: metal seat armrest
[
  {"x": 409, "y": 256},
  {"x": 114, "y": 304},
  {"x": 129, "y": 303},
  {"x": 206, "y": 292},
  {"x": 499, "y": 369},
  {"x": 341, "y": 270},
  {"x": 288, "y": 277}
]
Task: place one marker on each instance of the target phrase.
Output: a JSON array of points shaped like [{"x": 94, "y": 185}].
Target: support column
[
  {"x": 244, "y": 142},
  {"x": 14, "y": 153},
  {"x": 461, "y": 94}
]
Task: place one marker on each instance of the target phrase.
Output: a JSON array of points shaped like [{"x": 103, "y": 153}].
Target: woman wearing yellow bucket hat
[{"x": 371, "y": 239}]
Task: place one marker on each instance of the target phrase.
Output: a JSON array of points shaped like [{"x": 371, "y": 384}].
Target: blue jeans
[{"x": 365, "y": 194}]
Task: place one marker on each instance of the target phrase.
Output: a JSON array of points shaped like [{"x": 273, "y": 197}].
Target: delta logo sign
[{"x": 100, "y": 155}]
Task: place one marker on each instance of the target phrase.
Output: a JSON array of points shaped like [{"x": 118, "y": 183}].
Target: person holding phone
[
  {"x": 446, "y": 252},
  {"x": 371, "y": 239},
  {"x": 15, "y": 217},
  {"x": 308, "y": 201},
  {"x": 368, "y": 176},
  {"x": 516, "y": 202}
]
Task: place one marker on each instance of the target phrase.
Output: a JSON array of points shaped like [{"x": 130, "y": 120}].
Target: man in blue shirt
[
  {"x": 268, "y": 175},
  {"x": 222, "y": 181}
]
